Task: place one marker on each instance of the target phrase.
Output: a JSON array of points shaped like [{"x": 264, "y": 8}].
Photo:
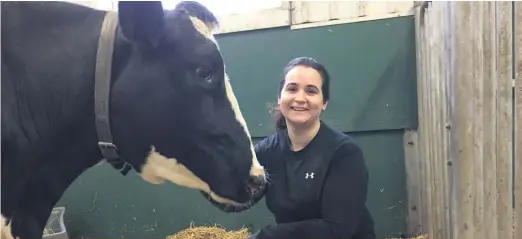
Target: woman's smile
[{"x": 298, "y": 108}]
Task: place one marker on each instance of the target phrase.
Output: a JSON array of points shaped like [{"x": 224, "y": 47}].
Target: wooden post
[
  {"x": 490, "y": 121},
  {"x": 462, "y": 121},
  {"x": 505, "y": 119},
  {"x": 433, "y": 133},
  {"x": 518, "y": 119},
  {"x": 420, "y": 168}
]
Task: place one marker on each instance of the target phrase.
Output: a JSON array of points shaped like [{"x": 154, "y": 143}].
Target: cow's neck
[{"x": 53, "y": 136}]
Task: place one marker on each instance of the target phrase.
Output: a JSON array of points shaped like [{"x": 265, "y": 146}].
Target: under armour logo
[{"x": 309, "y": 175}]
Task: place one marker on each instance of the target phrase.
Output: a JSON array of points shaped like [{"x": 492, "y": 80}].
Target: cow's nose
[{"x": 256, "y": 183}]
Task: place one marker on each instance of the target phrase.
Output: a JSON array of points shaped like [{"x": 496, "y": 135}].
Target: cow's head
[{"x": 173, "y": 111}]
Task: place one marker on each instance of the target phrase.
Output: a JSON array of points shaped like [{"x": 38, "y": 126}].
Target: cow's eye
[{"x": 204, "y": 73}]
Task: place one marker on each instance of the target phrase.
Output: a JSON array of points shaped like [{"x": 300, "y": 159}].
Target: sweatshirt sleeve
[
  {"x": 261, "y": 150},
  {"x": 343, "y": 203}
]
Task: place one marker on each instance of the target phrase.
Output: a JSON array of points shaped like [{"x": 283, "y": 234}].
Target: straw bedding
[
  {"x": 213, "y": 232},
  {"x": 218, "y": 232}
]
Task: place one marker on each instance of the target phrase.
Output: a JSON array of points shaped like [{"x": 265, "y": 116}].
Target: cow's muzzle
[{"x": 256, "y": 184}]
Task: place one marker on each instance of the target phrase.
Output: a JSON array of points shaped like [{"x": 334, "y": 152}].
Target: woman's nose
[{"x": 300, "y": 97}]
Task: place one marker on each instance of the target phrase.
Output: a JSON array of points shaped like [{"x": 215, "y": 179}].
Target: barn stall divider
[{"x": 464, "y": 162}]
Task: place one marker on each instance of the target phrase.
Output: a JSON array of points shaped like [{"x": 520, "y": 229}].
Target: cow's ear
[{"x": 141, "y": 21}]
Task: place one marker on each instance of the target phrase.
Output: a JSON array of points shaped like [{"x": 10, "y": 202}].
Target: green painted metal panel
[
  {"x": 372, "y": 66},
  {"x": 103, "y": 204}
]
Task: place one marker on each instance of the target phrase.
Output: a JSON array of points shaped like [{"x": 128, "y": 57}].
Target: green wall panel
[
  {"x": 103, "y": 204},
  {"x": 372, "y": 66}
]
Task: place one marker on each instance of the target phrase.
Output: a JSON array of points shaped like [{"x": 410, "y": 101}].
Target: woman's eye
[{"x": 204, "y": 73}]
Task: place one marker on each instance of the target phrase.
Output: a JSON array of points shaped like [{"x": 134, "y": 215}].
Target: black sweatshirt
[{"x": 317, "y": 192}]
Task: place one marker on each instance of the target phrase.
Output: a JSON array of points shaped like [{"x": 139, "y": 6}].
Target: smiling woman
[{"x": 308, "y": 161}]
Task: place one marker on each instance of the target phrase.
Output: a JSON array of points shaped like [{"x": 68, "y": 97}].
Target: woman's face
[{"x": 301, "y": 100}]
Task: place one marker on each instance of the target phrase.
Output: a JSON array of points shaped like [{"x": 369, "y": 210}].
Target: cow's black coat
[{"x": 168, "y": 91}]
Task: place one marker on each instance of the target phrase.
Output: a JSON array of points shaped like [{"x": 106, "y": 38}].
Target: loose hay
[
  {"x": 213, "y": 232},
  {"x": 218, "y": 232}
]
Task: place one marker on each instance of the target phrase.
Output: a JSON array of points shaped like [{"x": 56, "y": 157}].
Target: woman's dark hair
[{"x": 280, "y": 122}]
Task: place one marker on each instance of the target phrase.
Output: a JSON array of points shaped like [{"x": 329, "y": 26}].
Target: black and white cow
[{"x": 173, "y": 115}]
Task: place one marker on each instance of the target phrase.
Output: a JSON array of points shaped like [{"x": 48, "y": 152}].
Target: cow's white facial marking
[
  {"x": 158, "y": 168},
  {"x": 206, "y": 30},
  {"x": 5, "y": 232}
]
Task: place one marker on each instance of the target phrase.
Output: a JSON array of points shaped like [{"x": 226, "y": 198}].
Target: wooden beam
[
  {"x": 505, "y": 119},
  {"x": 518, "y": 119}
]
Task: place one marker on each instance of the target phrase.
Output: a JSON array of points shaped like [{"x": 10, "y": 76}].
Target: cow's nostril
[{"x": 256, "y": 183}]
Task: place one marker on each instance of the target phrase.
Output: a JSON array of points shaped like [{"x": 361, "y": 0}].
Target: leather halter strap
[{"x": 102, "y": 90}]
